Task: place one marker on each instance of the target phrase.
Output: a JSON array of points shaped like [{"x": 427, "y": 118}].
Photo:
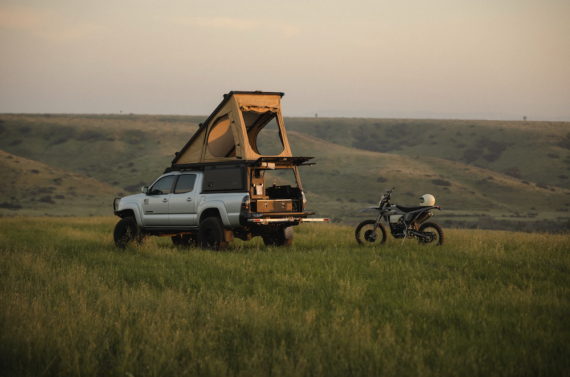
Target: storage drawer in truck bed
[{"x": 274, "y": 205}]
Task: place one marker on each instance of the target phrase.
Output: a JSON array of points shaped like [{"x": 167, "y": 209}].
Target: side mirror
[{"x": 144, "y": 189}]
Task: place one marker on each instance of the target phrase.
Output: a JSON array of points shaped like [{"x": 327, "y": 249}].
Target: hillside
[
  {"x": 532, "y": 151},
  {"x": 126, "y": 152},
  {"x": 122, "y": 151},
  {"x": 355, "y": 177},
  {"x": 33, "y": 188}
]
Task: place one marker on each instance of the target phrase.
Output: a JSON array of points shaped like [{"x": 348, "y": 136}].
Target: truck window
[
  {"x": 185, "y": 183},
  {"x": 281, "y": 177},
  {"x": 163, "y": 186},
  {"x": 224, "y": 178}
]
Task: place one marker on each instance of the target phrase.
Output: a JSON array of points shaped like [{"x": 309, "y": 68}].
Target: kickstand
[{"x": 405, "y": 235}]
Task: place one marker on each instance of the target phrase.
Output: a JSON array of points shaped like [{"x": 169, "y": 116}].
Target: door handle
[
  {"x": 164, "y": 200},
  {"x": 188, "y": 199}
]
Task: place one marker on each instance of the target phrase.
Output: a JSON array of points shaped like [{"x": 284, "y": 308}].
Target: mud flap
[{"x": 229, "y": 236}]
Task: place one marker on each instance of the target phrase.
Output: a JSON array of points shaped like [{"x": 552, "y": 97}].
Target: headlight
[{"x": 116, "y": 203}]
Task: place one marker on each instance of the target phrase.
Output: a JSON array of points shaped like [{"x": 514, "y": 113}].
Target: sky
[{"x": 459, "y": 59}]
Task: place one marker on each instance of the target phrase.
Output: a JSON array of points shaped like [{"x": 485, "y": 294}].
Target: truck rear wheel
[
  {"x": 127, "y": 231},
  {"x": 282, "y": 237},
  {"x": 211, "y": 235}
]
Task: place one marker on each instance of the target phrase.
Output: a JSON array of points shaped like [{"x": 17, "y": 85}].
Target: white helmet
[{"x": 427, "y": 200}]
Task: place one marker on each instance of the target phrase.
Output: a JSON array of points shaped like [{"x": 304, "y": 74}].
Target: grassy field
[{"x": 487, "y": 303}]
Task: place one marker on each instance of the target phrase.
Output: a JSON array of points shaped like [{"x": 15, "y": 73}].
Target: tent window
[
  {"x": 221, "y": 139},
  {"x": 263, "y": 132}
]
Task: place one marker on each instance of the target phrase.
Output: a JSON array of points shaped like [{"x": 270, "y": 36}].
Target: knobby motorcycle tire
[
  {"x": 440, "y": 235},
  {"x": 360, "y": 238}
]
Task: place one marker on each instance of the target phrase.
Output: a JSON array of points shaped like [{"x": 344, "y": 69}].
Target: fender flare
[
  {"x": 220, "y": 206},
  {"x": 136, "y": 210}
]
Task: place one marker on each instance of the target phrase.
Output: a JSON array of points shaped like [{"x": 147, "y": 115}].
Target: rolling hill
[
  {"x": 125, "y": 152},
  {"x": 531, "y": 151},
  {"x": 34, "y": 188}
]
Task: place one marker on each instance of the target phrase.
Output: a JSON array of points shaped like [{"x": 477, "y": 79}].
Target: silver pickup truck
[{"x": 208, "y": 206}]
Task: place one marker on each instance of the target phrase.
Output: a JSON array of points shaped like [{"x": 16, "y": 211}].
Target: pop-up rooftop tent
[{"x": 246, "y": 126}]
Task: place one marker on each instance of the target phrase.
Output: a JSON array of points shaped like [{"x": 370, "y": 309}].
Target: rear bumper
[{"x": 288, "y": 220}]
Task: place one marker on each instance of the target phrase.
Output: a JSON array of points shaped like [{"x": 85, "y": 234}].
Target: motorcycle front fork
[{"x": 378, "y": 219}]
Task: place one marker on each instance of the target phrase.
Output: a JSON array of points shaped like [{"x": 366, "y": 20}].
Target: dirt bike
[{"x": 405, "y": 222}]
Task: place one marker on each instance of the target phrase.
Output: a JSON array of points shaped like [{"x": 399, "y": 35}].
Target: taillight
[
  {"x": 245, "y": 204},
  {"x": 304, "y": 200}
]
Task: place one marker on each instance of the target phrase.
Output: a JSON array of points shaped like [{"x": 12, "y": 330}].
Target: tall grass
[{"x": 486, "y": 303}]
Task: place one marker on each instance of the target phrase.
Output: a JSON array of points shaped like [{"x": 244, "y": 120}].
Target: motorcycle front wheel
[
  {"x": 436, "y": 231},
  {"x": 365, "y": 234}
]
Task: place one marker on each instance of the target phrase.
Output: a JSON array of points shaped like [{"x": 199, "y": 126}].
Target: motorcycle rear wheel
[
  {"x": 365, "y": 235},
  {"x": 436, "y": 230}
]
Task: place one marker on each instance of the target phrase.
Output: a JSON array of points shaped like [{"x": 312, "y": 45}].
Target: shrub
[
  {"x": 514, "y": 172},
  {"x": 47, "y": 199},
  {"x": 472, "y": 154},
  {"x": 440, "y": 182},
  {"x": 11, "y": 206},
  {"x": 89, "y": 135},
  {"x": 61, "y": 140}
]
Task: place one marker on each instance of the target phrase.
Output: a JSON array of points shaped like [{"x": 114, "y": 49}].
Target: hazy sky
[{"x": 494, "y": 59}]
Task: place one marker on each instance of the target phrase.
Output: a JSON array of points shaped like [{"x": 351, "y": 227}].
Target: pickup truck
[
  {"x": 217, "y": 188},
  {"x": 208, "y": 206}
]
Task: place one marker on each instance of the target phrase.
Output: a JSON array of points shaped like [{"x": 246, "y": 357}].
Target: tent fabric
[
  {"x": 231, "y": 132},
  {"x": 258, "y": 109}
]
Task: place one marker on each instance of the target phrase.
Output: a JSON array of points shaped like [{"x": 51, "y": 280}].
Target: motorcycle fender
[{"x": 370, "y": 209}]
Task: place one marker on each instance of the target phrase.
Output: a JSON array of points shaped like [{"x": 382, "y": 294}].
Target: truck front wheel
[
  {"x": 211, "y": 234},
  {"x": 127, "y": 231},
  {"x": 282, "y": 237}
]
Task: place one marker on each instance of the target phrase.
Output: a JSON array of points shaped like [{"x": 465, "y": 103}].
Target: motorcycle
[{"x": 405, "y": 222}]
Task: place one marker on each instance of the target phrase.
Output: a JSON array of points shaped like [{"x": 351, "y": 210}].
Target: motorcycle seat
[{"x": 409, "y": 209}]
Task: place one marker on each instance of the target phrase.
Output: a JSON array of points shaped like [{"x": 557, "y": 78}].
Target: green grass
[{"x": 486, "y": 303}]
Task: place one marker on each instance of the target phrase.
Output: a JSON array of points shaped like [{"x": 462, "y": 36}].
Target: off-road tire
[
  {"x": 127, "y": 231},
  {"x": 363, "y": 236},
  {"x": 439, "y": 231},
  {"x": 185, "y": 240},
  {"x": 211, "y": 234},
  {"x": 278, "y": 238}
]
